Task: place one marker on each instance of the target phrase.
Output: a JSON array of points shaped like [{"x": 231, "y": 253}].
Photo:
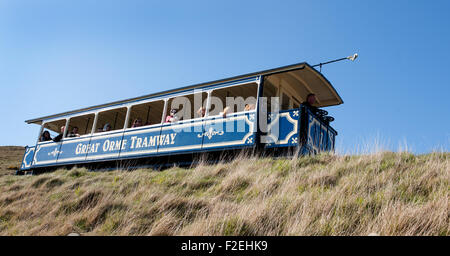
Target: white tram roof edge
[{"x": 303, "y": 73}]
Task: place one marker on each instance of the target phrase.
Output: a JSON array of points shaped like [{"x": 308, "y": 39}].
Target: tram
[{"x": 263, "y": 111}]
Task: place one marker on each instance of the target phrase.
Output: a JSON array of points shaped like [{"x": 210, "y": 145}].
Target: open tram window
[
  {"x": 111, "y": 120},
  {"x": 234, "y": 99},
  {"x": 186, "y": 107},
  {"x": 146, "y": 114},
  {"x": 51, "y": 130},
  {"x": 80, "y": 125}
]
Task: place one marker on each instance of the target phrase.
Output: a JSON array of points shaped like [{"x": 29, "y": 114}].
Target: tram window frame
[
  {"x": 100, "y": 124},
  {"x": 231, "y": 91},
  {"x": 270, "y": 91},
  {"x": 286, "y": 101},
  {"x": 295, "y": 103},
  {"x": 158, "y": 119},
  {"x": 88, "y": 127},
  {"x": 193, "y": 115},
  {"x": 55, "y": 131}
]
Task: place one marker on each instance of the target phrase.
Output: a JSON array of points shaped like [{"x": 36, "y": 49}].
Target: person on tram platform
[{"x": 310, "y": 100}]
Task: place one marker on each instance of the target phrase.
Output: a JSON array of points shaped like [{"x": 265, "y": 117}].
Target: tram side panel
[
  {"x": 283, "y": 129},
  {"x": 105, "y": 146},
  {"x": 140, "y": 142},
  {"x": 27, "y": 159},
  {"x": 234, "y": 131},
  {"x": 182, "y": 136},
  {"x": 46, "y": 154},
  {"x": 74, "y": 150},
  {"x": 320, "y": 137},
  {"x": 215, "y": 133},
  {"x": 299, "y": 127}
]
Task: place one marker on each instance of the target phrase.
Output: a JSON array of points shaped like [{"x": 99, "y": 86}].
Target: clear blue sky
[{"x": 57, "y": 56}]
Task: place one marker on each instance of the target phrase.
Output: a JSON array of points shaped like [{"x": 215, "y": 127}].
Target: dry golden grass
[
  {"x": 385, "y": 193},
  {"x": 10, "y": 157}
]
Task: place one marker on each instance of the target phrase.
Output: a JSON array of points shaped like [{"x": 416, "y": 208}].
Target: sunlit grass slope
[
  {"x": 384, "y": 193},
  {"x": 10, "y": 157}
]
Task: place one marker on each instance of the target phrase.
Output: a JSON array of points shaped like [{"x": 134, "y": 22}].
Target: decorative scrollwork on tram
[{"x": 210, "y": 133}]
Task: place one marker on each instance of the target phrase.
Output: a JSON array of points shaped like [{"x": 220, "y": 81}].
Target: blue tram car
[{"x": 264, "y": 111}]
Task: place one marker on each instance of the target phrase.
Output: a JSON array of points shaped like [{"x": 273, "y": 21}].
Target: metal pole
[
  {"x": 115, "y": 120},
  {"x": 87, "y": 125},
  {"x": 148, "y": 114},
  {"x": 352, "y": 58},
  {"x": 328, "y": 62}
]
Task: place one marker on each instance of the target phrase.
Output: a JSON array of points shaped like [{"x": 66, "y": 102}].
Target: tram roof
[{"x": 312, "y": 81}]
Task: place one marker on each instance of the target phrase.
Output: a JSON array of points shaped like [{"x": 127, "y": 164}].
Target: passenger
[
  {"x": 99, "y": 129},
  {"x": 225, "y": 112},
  {"x": 201, "y": 112},
  {"x": 73, "y": 133},
  {"x": 172, "y": 118},
  {"x": 310, "y": 100},
  {"x": 45, "y": 136},
  {"x": 107, "y": 127},
  {"x": 249, "y": 107},
  {"x": 60, "y": 136},
  {"x": 137, "y": 123}
]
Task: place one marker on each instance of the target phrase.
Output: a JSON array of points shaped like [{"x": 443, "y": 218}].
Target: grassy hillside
[
  {"x": 10, "y": 157},
  {"x": 385, "y": 193}
]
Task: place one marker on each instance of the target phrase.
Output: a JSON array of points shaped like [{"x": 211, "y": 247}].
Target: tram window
[
  {"x": 235, "y": 99},
  {"x": 80, "y": 125},
  {"x": 111, "y": 120},
  {"x": 52, "y": 128},
  {"x": 187, "y": 107},
  {"x": 146, "y": 114}
]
